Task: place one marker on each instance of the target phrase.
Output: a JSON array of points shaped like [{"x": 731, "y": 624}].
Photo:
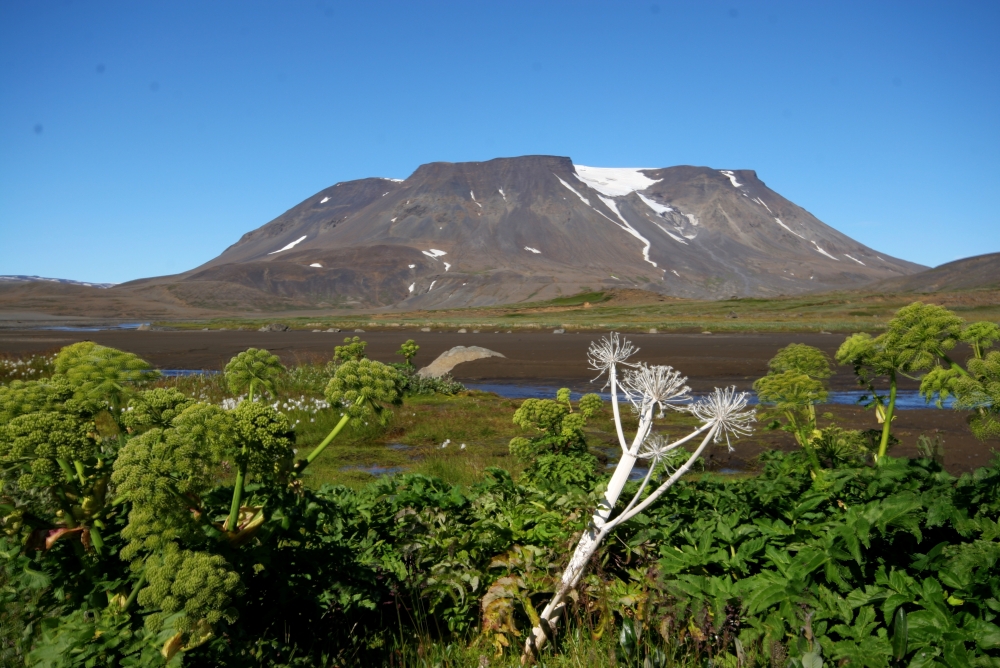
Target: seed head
[
  {"x": 660, "y": 385},
  {"x": 655, "y": 447},
  {"x": 725, "y": 408},
  {"x": 608, "y": 352}
]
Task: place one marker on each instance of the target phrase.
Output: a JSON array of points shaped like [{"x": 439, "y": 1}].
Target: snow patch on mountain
[
  {"x": 628, "y": 228},
  {"x": 582, "y": 198},
  {"x": 732, "y": 178},
  {"x": 655, "y": 206},
  {"x": 291, "y": 245},
  {"x": 614, "y": 181},
  {"x": 824, "y": 252},
  {"x": 778, "y": 220},
  {"x": 533, "y": 250},
  {"x": 855, "y": 259}
]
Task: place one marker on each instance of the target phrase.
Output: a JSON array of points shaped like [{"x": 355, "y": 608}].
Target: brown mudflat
[{"x": 709, "y": 361}]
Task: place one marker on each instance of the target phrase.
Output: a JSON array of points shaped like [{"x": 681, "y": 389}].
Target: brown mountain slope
[{"x": 971, "y": 273}]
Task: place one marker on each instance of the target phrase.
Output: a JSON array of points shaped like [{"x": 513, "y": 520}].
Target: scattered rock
[
  {"x": 359, "y": 331},
  {"x": 204, "y": 329},
  {"x": 425, "y": 329},
  {"x": 449, "y": 359},
  {"x": 586, "y": 304},
  {"x": 558, "y": 331},
  {"x": 143, "y": 327},
  {"x": 274, "y": 327},
  {"x": 706, "y": 332},
  {"x": 475, "y": 331},
  {"x": 823, "y": 331},
  {"x": 317, "y": 330},
  {"x": 462, "y": 331},
  {"x": 652, "y": 330},
  {"x": 333, "y": 329},
  {"x": 732, "y": 314}
]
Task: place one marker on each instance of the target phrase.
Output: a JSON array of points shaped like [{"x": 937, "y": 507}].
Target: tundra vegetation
[
  {"x": 636, "y": 310},
  {"x": 150, "y": 522}
]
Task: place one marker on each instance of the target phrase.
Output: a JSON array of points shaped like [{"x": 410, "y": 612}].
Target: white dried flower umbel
[
  {"x": 725, "y": 408},
  {"x": 611, "y": 350},
  {"x": 656, "y": 447},
  {"x": 660, "y": 385}
]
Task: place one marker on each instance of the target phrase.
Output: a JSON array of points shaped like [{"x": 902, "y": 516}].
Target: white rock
[{"x": 449, "y": 359}]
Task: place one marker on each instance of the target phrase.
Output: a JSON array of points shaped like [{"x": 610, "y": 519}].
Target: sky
[{"x": 143, "y": 138}]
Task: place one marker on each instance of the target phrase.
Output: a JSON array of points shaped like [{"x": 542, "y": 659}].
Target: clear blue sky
[{"x": 143, "y": 138}]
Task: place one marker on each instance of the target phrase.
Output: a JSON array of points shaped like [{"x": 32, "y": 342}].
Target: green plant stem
[
  {"x": 241, "y": 474},
  {"x": 135, "y": 592},
  {"x": 883, "y": 445},
  {"x": 234, "y": 509},
  {"x": 326, "y": 441},
  {"x": 803, "y": 436},
  {"x": 96, "y": 540},
  {"x": 78, "y": 465},
  {"x": 66, "y": 469}
]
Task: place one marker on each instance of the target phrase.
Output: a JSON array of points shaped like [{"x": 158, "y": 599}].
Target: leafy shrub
[{"x": 413, "y": 384}]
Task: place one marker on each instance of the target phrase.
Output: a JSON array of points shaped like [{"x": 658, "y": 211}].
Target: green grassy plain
[{"x": 635, "y": 310}]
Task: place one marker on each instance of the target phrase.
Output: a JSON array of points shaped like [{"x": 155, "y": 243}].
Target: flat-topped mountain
[{"x": 534, "y": 227}]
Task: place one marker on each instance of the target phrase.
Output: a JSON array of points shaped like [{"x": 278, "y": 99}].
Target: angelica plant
[
  {"x": 266, "y": 441},
  {"x": 354, "y": 350},
  {"x": 979, "y": 392},
  {"x": 650, "y": 390},
  {"x": 103, "y": 374},
  {"x": 917, "y": 339},
  {"x": 251, "y": 370},
  {"x": 47, "y": 461},
  {"x": 557, "y": 429},
  {"x": 792, "y": 388},
  {"x": 52, "y": 469},
  {"x": 164, "y": 472},
  {"x": 363, "y": 389},
  {"x": 194, "y": 590},
  {"x": 408, "y": 350},
  {"x": 155, "y": 408}
]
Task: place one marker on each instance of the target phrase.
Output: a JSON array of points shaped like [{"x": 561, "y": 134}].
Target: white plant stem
[
  {"x": 614, "y": 408},
  {"x": 599, "y": 526},
  {"x": 721, "y": 413}
]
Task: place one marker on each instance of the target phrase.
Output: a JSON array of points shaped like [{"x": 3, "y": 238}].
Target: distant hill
[
  {"x": 41, "y": 279},
  {"x": 531, "y": 228},
  {"x": 979, "y": 271}
]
